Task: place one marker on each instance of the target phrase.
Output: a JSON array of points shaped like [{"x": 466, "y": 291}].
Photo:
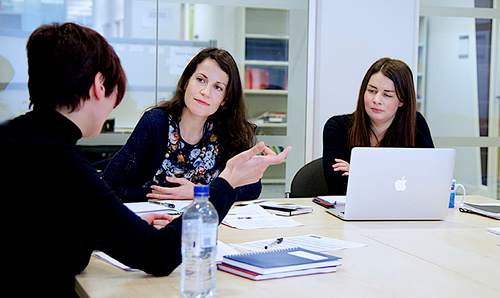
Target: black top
[
  {"x": 155, "y": 149},
  {"x": 335, "y": 145},
  {"x": 57, "y": 210}
]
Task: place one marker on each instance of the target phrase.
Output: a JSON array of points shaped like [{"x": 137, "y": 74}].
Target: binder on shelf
[
  {"x": 266, "y": 77},
  {"x": 256, "y": 78},
  {"x": 270, "y": 117},
  {"x": 281, "y": 260}
]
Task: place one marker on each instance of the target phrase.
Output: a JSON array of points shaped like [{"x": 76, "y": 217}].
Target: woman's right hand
[
  {"x": 341, "y": 165},
  {"x": 184, "y": 190}
]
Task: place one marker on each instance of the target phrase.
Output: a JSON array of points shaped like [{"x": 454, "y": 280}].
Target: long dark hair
[
  {"x": 402, "y": 131},
  {"x": 235, "y": 133}
]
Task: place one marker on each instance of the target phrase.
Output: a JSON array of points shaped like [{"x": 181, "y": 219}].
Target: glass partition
[
  {"x": 156, "y": 39},
  {"x": 457, "y": 89}
]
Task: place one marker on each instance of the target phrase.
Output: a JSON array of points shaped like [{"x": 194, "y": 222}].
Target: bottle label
[
  {"x": 191, "y": 236},
  {"x": 209, "y": 235},
  {"x": 198, "y": 236}
]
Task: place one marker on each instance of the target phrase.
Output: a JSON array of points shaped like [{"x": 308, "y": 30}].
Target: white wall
[{"x": 350, "y": 36}]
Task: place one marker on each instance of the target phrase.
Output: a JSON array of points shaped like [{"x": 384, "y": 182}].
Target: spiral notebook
[{"x": 281, "y": 260}]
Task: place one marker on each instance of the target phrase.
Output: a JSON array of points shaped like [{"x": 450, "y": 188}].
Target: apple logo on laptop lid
[{"x": 400, "y": 184}]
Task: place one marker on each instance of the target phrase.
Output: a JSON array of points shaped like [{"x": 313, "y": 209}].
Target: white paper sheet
[
  {"x": 255, "y": 217},
  {"x": 494, "y": 231},
  {"x": 223, "y": 249},
  {"x": 148, "y": 207},
  {"x": 110, "y": 260},
  {"x": 311, "y": 242}
]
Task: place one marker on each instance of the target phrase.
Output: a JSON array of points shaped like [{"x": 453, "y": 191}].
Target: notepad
[
  {"x": 490, "y": 210},
  {"x": 286, "y": 209},
  {"x": 256, "y": 276},
  {"x": 281, "y": 260}
]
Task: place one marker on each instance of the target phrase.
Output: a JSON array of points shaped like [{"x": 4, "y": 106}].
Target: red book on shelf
[
  {"x": 248, "y": 78},
  {"x": 264, "y": 78},
  {"x": 256, "y": 78}
]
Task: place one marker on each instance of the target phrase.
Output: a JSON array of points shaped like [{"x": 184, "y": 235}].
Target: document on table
[
  {"x": 102, "y": 256},
  {"x": 255, "y": 217},
  {"x": 494, "y": 231},
  {"x": 164, "y": 206},
  {"x": 223, "y": 249},
  {"x": 311, "y": 242}
]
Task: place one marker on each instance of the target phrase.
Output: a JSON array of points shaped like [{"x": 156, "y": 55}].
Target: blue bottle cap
[{"x": 201, "y": 190}]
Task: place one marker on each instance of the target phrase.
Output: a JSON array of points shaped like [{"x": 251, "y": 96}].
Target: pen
[
  {"x": 169, "y": 205},
  {"x": 277, "y": 241},
  {"x": 244, "y": 217}
]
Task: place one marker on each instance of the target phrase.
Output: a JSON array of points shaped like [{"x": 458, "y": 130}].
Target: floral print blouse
[{"x": 197, "y": 163}]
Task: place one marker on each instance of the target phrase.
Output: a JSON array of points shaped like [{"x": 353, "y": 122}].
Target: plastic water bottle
[
  {"x": 199, "y": 245},
  {"x": 451, "y": 204}
]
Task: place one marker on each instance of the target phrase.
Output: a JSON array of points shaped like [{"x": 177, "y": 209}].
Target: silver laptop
[{"x": 397, "y": 184}]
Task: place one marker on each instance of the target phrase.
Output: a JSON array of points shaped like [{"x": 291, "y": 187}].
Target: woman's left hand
[
  {"x": 157, "y": 220},
  {"x": 341, "y": 165},
  {"x": 185, "y": 190}
]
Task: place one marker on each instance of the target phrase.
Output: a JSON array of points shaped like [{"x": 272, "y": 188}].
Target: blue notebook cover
[{"x": 281, "y": 260}]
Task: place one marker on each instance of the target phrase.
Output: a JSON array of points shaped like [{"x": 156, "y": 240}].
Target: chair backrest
[{"x": 309, "y": 181}]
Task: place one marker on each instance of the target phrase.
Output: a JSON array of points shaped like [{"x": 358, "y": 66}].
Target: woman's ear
[
  {"x": 97, "y": 88},
  {"x": 401, "y": 104}
]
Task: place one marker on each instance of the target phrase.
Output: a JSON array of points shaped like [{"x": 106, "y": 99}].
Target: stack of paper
[{"x": 279, "y": 263}]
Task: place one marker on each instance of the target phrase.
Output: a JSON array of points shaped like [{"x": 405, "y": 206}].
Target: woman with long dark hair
[
  {"x": 385, "y": 116},
  {"x": 188, "y": 139}
]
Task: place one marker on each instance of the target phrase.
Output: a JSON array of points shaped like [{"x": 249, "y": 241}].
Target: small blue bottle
[{"x": 451, "y": 204}]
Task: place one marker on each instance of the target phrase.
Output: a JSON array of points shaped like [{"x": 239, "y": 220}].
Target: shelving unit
[
  {"x": 265, "y": 74},
  {"x": 421, "y": 64}
]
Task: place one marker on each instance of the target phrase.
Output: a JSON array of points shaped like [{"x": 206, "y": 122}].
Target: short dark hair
[
  {"x": 230, "y": 122},
  {"x": 63, "y": 60},
  {"x": 402, "y": 131}
]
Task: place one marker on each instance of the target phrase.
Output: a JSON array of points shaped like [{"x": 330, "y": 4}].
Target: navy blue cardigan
[{"x": 130, "y": 170}]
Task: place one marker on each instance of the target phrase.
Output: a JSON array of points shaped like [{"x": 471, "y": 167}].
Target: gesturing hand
[{"x": 248, "y": 167}]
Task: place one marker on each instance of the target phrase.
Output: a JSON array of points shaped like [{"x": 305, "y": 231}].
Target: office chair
[{"x": 309, "y": 181}]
